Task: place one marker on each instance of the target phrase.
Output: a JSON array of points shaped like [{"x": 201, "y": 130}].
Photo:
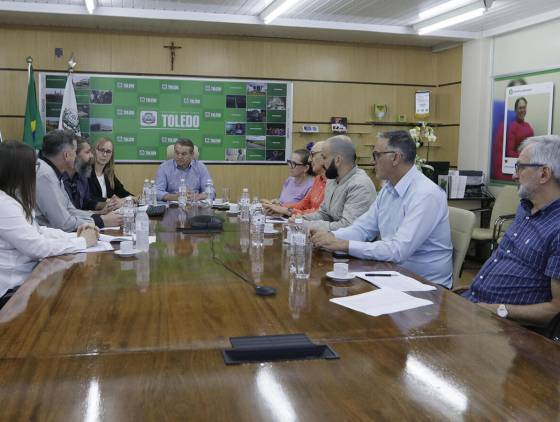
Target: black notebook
[{"x": 275, "y": 347}]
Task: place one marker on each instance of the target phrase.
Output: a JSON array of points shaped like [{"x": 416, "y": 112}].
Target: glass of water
[
  {"x": 190, "y": 196},
  {"x": 225, "y": 195},
  {"x": 302, "y": 256}
]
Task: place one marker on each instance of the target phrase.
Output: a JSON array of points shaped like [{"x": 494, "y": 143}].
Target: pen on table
[{"x": 379, "y": 275}]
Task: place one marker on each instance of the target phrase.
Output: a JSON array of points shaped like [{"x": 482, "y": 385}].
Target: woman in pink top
[{"x": 519, "y": 129}]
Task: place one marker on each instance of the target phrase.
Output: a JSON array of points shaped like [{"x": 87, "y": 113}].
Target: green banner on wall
[{"x": 231, "y": 121}]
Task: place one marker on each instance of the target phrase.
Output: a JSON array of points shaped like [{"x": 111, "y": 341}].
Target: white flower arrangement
[{"x": 422, "y": 134}]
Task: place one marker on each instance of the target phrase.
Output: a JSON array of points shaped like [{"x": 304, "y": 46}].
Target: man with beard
[
  {"x": 520, "y": 281},
  {"x": 408, "y": 224},
  {"x": 54, "y": 207},
  {"x": 349, "y": 191},
  {"x": 76, "y": 181}
]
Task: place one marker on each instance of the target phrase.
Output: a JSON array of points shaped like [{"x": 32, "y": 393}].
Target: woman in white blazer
[{"x": 22, "y": 242}]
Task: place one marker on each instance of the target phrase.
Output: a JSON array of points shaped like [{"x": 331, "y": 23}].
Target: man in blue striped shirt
[{"x": 521, "y": 280}]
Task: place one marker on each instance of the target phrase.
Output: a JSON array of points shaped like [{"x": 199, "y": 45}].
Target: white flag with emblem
[{"x": 69, "y": 112}]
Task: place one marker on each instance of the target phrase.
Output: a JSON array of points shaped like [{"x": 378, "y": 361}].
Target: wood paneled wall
[{"x": 330, "y": 79}]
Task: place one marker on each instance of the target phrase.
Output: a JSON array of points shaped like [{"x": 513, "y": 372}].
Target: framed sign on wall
[{"x": 231, "y": 121}]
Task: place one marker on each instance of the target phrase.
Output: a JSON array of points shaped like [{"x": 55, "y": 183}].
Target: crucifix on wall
[{"x": 172, "y": 47}]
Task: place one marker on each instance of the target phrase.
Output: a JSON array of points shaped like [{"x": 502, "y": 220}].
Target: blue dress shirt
[
  {"x": 519, "y": 272},
  {"x": 411, "y": 220},
  {"x": 169, "y": 176}
]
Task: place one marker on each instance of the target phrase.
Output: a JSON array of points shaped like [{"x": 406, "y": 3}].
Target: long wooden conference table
[{"x": 96, "y": 337}]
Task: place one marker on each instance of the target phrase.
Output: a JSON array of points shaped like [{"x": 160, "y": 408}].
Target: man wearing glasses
[
  {"x": 408, "y": 224},
  {"x": 520, "y": 281},
  {"x": 183, "y": 166}
]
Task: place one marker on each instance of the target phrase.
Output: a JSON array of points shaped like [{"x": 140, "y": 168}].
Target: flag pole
[{"x": 29, "y": 63}]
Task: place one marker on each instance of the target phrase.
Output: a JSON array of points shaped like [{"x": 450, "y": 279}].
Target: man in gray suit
[
  {"x": 54, "y": 207},
  {"x": 349, "y": 192}
]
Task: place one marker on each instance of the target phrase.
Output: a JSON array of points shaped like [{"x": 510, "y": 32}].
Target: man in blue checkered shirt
[{"x": 521, "y": 280}]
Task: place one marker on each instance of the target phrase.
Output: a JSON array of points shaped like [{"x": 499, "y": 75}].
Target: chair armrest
[{"x": 498, "y": 224}]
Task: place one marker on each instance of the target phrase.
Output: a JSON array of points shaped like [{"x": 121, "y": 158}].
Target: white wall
[
  {"x": 475, "y": 105},
  {"x": 534, "y": 48}
]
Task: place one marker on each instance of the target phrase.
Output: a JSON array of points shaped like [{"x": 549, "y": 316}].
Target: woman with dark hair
[
  {"x": 22, "y": 242},
  {"x": 314, "y": 197},
  {"x": 300, "y": 181},
  {"x": 103, "y": 183}
]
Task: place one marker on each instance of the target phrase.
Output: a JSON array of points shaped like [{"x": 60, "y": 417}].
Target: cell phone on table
[{"x": 340, "y": 255}]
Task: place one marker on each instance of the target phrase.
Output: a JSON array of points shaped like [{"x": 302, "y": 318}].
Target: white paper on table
[
  {"x": 110, "y": 228},
  {"x": 278, "y": 220},
  {"x": 396, "y": 281},
  {"x": 100, "y": 247},
  {"x": 381, "y": 301},
  {"x": 109, "y": 238}
]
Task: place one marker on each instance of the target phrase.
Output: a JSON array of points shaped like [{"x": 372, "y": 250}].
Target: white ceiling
[{"x": 371, "y": 21}]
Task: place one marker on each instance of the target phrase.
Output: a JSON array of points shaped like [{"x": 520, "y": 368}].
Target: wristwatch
[
  {"x": 290, "y": 212},
  {"x": 502, "y": 311}
]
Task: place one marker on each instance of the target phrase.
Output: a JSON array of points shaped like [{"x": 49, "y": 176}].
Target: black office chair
[
  {"x": 7, "y": 296},
  {"x": 552, "y": 330}
]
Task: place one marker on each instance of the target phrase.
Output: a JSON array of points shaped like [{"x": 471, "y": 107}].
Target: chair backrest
[
  {"x": 462, "y": 224},
  {"x": 506, "y": 203},
  {"x": 170, "y": 153}
]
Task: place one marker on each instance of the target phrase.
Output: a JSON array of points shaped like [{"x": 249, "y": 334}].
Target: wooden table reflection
[{"x": 129, "y": 339}]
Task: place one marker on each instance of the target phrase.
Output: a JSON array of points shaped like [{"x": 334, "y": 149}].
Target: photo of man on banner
[{"x": 528, "y": 112}]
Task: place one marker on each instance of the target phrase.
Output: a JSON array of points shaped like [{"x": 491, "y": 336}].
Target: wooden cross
[{"x": 172, "y": 49}]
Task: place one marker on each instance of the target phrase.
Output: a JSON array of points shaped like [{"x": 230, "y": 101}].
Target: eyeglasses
[
  {"x": 377, "y": 154},
  {"x": 519, "y": 165},
  {"x": 105, "y": 151},
  {"x": 183, "y": 154},
  {"x": 293, "y": 164}
]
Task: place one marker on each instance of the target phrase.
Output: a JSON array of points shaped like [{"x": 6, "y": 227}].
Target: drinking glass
[
  {"x": 303, "y": 255},
  {"x": 225, "y": 195}
]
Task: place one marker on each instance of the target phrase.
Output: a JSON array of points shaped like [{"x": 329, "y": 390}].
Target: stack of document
[
  {"x": 100, "y": 247},
  {"x": 390, "y": 297},
  {"x": 394, "y": 280},
  {"x": 382, "y": 301}
]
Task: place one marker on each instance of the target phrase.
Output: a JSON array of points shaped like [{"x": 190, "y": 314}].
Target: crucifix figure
[{"x": 172, "y": 47}]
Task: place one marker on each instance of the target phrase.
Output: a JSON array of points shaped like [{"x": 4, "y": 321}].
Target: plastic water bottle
[
  {"x": 299, "y": 235},
  {"x": 153, "y": 193},
  {"x": 210, "y": 192},
  {"x": 245, "y": 214},
  {"x": 257, "y": 226},
  {"x": 142, "y": 231},
  {"x": 254, "y": 205},
  {"x": 182, "y": 193},
  {"x": 128, "y": 216},
  {"x": 145, "y": 198}
]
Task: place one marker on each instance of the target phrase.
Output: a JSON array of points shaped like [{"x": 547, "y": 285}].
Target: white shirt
[
  {"x": 101, "y": 180},
  {"x": 412, "y": 221},
  {"x": 23, "y": 244}
]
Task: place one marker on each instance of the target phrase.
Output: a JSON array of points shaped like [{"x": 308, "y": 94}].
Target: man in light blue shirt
[
  {"x": 183, "y": 166},
  {"x": 408, "y": 224}
]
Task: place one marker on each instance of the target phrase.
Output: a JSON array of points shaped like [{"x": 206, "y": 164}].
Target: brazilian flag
[{"x": 33, "y": 127}]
